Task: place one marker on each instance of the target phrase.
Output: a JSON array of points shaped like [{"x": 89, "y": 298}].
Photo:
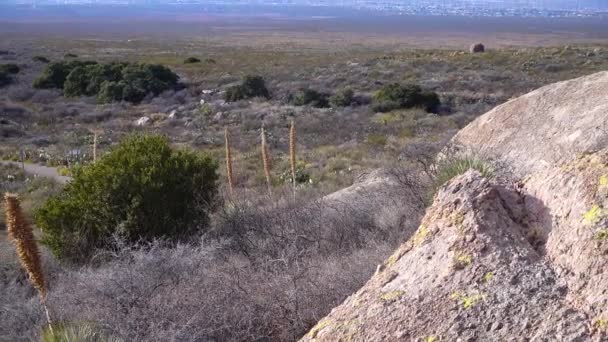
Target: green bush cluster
[
  {"x": 41, "y": 59},
  {"x": 342, "y": 98},
  {"x": 6, "y": 70},
  {"x": 10, "y": 68},
  {"x": 452, "y": 167},
  {"x": 191, "y": 60},
  {"x": 141, "y": 190},
  {"x": 306, "y": 96},
  {"x": 109, "y": 82},
  {"x": 395, "y": 96},
  {"x": 251, "y": 86}
]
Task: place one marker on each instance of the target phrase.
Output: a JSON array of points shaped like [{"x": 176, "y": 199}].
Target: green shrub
[
  {"x": 40, "y": 59},
  {"x": 111, "y": 91},
  {"x": 141, "y": 190},
  {"x": 109, "y": 82},
  {"x": 75, "y": 332},
  {"x": 395, "y": 96},
  {"x": 450, "y": 168},
  {"x": 55, "y": 74},
  {"x": 5, "y": 78},
  {"x": 251, "y": 86},
  {"x": 342, "y": 98},
  {"x": 191, "y": 60},
  {"x": 311, "y": 97},
  {"x": 10, "y": 68}
]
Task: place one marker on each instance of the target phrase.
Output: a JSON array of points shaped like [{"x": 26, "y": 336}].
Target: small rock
[{"x": 143, "y": 121}]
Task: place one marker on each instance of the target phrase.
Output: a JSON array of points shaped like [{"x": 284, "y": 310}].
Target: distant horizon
[{"x": 20, "y": 10}]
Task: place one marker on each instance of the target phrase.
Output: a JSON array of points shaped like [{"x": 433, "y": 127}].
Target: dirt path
[{"x": 39, "y": 170}]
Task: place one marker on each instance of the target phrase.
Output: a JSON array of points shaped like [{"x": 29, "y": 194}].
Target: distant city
[{"x": 491, "y": 8}]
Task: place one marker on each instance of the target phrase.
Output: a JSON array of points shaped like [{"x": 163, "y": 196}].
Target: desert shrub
[
  {"x": 455, "y": 166},
  {"x": 40, "y": 59},
  {"x": 20, "y": 93},
  {"x": 55, "y": 74},
  {"x": 75, "y": 332},
  {"x": 306, "y": 96},
  {"x": 251, "y": 86},
  {"x": 395, "y": 95},
  {"x": 10, "y": 68},
  {"x": 342, "y": 98},
  {"x": 191, "y": 60},
  {"x": 141, "y": 190},
  {"x": 111, "y": 91},
  {"x": 5, "y": 78},
  {"x": 109, "y": 82}
]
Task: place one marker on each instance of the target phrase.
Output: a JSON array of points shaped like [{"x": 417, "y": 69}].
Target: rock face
[
  {"x": 546, "y": 127},
  {"x": 523, "y": 259}
]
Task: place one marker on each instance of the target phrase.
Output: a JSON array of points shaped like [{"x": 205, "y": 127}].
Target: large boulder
[
  {"x": 469, "y": 273},
  {"x": 551, "y": 125},
  {"x": 519, "y": 259}
]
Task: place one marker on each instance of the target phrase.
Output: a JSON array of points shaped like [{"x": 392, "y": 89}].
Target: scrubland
[{"x": 267, "y": 267}]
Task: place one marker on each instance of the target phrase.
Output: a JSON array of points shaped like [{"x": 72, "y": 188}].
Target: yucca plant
[
  {"x": 292, "y": 155},
  {"x": 266, "y": 162},
  {"x": 229, "y": 172},
  {"x": 76, "y": 332},
  {"x": 21, "y": 234}
]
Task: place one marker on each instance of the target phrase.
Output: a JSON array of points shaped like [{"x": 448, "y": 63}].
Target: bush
[
  {"x": 191, "y": 60},
  {"x": 109, "y": 82},
  {"x": 75, "y": 332},
  {"x": 141, "y": 190},
  {"x": 311, "y": 97},
  {"x": 251, "y": 86},
  {"x": 10, "y": 68},
  {"x": 450, "y": 168},
  {"x": 40, "y": 59},
  {"x": 342, "y": 98},
  {"x": 395, "y": 96},
  {"x": 5, "y": 78}
]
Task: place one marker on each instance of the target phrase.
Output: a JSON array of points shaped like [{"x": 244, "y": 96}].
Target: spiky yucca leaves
[
  {"x": 266, "y": 161},
  {"x": 292, "y": 155},
  {"x": 20, "y": 232},
  {"x": 229, "y": 172}
]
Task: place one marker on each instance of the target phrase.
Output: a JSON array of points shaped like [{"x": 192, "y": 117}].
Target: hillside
[{"x": 519, "y": 258}]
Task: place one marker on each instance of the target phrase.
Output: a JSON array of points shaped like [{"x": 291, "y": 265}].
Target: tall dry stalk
[
  {"x": 20, "y": 232},
  {"x": 266, "y": 161},
  {"x": 229, "y": 172},
  {"x": 94, "y": 147},
  {"x": 292, "y": 155}
]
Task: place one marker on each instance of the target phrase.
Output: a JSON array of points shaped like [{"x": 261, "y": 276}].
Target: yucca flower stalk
[
  {"x": 266, "y": 162},
  {"x": 292, "y": 155},
  {"x": 21, "y": 234},
  {"x": 94, "y": 147},
  {"x": 229, "y": 172}
]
